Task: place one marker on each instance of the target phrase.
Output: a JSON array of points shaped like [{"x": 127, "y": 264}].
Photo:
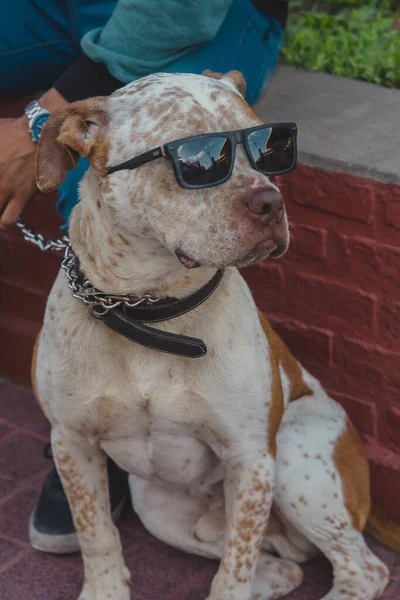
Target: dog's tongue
[{"x": 189, "y": 263}]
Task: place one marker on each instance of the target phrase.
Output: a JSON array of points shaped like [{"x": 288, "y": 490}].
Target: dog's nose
[{"x": 267, "y": 204}]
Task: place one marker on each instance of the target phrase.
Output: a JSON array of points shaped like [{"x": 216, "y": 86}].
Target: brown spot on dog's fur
[
  {"x": 123, "y": 240},
  {"x": 81, "y": 498},
  {"x": 106, "y": 186},
  {"x": 352, "y": 465},
  {"x": 276, "y": 411},
  {"x": 298, "y": 387},
  {"x": 236, "y": 77}
]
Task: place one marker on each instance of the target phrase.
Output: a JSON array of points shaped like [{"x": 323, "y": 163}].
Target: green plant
[{"x": 352, "y": 38}]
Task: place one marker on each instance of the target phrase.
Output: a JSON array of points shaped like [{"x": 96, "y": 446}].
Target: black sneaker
[{"x": 51, "y": 528}]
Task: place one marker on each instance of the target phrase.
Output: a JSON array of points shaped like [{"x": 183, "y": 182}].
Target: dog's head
[{"x": 235, "y": 223}]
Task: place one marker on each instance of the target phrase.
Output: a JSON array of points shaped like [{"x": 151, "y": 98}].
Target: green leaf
[{"x": 352, "y": 38}]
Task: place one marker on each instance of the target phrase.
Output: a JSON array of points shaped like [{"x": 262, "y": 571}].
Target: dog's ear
[
  {"x": 77, "y": 130},
  {"x": 235, "y": 77}
]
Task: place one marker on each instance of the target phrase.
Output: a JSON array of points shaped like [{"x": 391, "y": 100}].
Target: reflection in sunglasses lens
[
  {"x": 205, "y": 161},
  {"x": 272, "y": 149}
]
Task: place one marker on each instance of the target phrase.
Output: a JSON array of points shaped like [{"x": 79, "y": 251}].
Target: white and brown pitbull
[{"x": 212, "y": 443}]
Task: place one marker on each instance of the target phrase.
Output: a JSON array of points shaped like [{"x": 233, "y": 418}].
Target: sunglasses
[{"x": 206, "y": 160}]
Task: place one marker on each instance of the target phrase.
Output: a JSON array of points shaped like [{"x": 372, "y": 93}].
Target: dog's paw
[
  {"x": 114, "y": 592},
  {"x": 275, "y": 577},
  {"x": 108, "y": 585}
]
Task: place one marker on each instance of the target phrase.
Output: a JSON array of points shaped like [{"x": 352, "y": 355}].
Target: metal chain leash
[
  {"x": 99, "y": 303},
  {"x": 38, "y": 240}
]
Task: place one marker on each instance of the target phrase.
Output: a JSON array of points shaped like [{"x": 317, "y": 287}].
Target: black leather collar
[{"x": 128, "y": 321}]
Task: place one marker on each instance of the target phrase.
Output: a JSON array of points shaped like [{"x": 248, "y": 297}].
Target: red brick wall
[
  {"x": 335, "y": 299},
  {"x": 26, "y": 276}
]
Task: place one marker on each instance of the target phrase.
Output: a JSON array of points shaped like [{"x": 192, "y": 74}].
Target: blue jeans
[{"x": 39, "y": 39}]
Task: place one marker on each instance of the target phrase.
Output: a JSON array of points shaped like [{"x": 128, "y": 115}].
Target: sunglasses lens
[
  {"x": 272, "y": 149},
  {"x": 205, "y": 161}
]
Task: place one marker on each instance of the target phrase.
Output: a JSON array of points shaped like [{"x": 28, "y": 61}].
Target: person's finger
[
  {"x": 12, "y": 211},
  {"x": 4, "y": 199},
  {"x": 5, "y": 195}
]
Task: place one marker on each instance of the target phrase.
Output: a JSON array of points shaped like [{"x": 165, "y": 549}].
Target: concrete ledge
[{"x": 344, "y": 125}]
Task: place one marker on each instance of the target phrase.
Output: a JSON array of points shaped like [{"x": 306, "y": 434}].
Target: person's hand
[
  {"x": 18, "y": 161},
  {"x": 17, "y": 169}
]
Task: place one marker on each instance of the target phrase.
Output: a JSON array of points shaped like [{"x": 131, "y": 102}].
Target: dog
[{"x": 213, "y": 443}]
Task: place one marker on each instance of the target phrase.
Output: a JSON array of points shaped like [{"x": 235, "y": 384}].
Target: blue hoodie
[{"x": 142, "y": 36}]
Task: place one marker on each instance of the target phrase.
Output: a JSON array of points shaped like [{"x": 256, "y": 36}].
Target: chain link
[
  {"x": 99, "y": 303},
  {"x": 38, "y": 240}
]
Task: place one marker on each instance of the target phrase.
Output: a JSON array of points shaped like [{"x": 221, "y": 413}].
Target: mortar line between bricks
[
  {"x": 25, "y": 548},
  {"x": 18, "y": 429},
  {"x": 26, "y": 483},
  {"x": 34, "y": 434},
  {"x": 284, "y": 320},
  {"x": 5, "y": 422},
  {"x": 7, "y": 437},
  {"x": 65, "y": 563},
  {"x": 23, "y": 430},
  {"x": 370, "y": 346},
  {"x": 10, "y": 563},
  {"x": 23, "y": 545}
]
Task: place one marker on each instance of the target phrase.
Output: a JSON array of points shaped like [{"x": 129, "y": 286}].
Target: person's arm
[
  {"x": 17, "y": 162},
  {"x": 163, "y": 33},
  {"x": 141, "y": 37}
]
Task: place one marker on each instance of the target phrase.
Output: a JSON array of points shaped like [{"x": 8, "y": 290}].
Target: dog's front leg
[
  {"x": 83, "y": 472},
  {"x": 248, "y": 485}
]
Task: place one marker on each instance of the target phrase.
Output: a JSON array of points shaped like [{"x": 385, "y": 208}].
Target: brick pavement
[{"x": 159, "y": 572}]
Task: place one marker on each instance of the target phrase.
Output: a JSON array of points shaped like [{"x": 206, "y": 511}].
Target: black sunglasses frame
[{"x": 240, "y": 136}]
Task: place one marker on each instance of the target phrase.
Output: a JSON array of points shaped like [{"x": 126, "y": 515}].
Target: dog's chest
[
  {"x": 157, "y": 414},
  {"x": 151, "y": 429}
]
